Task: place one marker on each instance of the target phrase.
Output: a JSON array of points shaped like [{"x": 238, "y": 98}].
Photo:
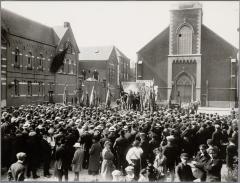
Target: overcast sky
[{"x": 127, "y": 25}]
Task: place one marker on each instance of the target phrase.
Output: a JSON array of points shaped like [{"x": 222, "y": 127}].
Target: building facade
[
  {"x": 189, "y": 62},
  {"x": 107, "y": 64},
  {"x": 27, "y": 50}
]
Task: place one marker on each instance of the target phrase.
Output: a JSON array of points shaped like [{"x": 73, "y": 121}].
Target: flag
[
  {"x": 92, "y": 97},
  {"x": 83, "y": 97},
  {"x": 121, "y": 89},
  {"x": 57, "y": 61},
  {"x": 87, "y": 100},
  {"x": 108, "y": 98}
]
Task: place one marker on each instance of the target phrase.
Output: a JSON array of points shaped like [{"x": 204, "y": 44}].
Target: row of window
[
  {"x": 69, "y": 68},
  {"x": 30, "y": 60},
  {"x": 40, "y": 88},
  {"x": 93, "y": 74}
]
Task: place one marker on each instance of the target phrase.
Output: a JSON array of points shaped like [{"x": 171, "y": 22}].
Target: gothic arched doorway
[{"x": 184, "y": 89}]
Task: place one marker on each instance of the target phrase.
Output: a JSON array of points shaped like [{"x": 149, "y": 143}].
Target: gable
[
  {"x": 211, "y": 38},
  {"x": 155, "y": 41},
  {"x": 67, "y": 35}
]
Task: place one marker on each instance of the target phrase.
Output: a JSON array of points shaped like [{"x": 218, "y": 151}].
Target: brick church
[{"x": 189, "y": 62}]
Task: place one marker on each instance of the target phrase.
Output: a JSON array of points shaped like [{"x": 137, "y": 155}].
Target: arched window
[
  {"x": 40, "y": 65},
  {"x": 184, "y": 38},
  {"x": 17, "y": 58}
]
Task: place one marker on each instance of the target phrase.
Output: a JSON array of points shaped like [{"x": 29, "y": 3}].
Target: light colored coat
[{"x": 77, "y": 160}]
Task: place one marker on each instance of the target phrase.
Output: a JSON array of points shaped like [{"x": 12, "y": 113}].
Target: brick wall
[
  {"x": 216, "y": 66},
  {"x": 190, "y": 16},
  {"x": 155, "y": 62}
]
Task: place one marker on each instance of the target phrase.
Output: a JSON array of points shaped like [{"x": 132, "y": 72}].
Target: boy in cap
[
  {"x": 17, "y": 170},
  {"x": 213, "y": 166},
  {"x": 183, "y": 170},
  {"x": 130, "y": 177}
]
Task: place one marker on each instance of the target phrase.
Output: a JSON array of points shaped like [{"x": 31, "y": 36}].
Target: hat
[
  {"x": 170, "y": 138},
  {"x": 32, "y": 134},
  {"x": 217, "y": 126},
  {"x": 98, "y": 127},
  {"x": 112, "y": 129},
  {"x": 129, "y": 168},
  {"x": 51, "y": 130},
  {"x": 57, "y": 118},
  {"x": 136, "y": 143},
  {"x": 77, "y": 145},
  {"x": 116, "y": 173},
  {"x": 184, "y": 155},
  {"x": 21, "y": 155},
  {"x": 107, "y": 143},
  {"x": 26, "y": 125},
  {"x": 213, "y": 150}
]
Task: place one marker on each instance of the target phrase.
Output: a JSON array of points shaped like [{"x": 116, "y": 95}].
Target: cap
[
  {"x": 112, "y": 129},
  {"x": 116, "y": 173},
  {"x": 184, "y": 155},
  {"x": 129, "y": 168},
  {"x": 77, "y": 145}
]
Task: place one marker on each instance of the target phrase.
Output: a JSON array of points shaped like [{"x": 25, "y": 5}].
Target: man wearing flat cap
[
  {"x": 120, "y": 147},
  {"x": 183, "y": 170},
  {"x": 171, "y": 152},
  {"x": 213, "y": 166},
  {"x": 17, "y": 170}
]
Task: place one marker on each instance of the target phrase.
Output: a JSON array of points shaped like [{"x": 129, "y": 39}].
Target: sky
[{"x": 129, "y": 25}]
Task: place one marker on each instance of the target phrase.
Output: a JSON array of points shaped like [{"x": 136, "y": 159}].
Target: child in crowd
[{"x": 130, "y": 174}]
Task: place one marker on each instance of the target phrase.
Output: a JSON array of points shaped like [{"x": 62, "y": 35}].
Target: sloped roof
[
  {"x": 206, "y": 30},
  {"x": 119, "y": 53},
  {"x": 155, "y": 40},
  {"x": 165, "y": 33},
  {"x": 24, "y": 27},
  {"x": 100, "y": 53}
]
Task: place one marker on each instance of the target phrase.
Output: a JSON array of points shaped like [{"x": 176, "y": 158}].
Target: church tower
[{"x": 184, "y": 59}]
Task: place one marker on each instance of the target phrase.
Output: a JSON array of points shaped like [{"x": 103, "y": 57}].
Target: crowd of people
[{"x": 118, "y": 145}]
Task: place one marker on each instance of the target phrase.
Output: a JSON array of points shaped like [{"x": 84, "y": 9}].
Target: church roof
[
  {"x": 206, "y": 30},
  {"x": 155, "y": 40},
  {"x": 24, "y": 27},
  {"x": 100, "y": 53},
  {"x": 165, "y": 33},
  {"x": 121, "y": 54}
]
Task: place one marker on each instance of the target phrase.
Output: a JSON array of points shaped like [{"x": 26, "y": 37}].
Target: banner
[{"x": 133, "y": 86}]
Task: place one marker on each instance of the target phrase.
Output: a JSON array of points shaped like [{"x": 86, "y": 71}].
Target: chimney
[{"x": 66, "y": 24}]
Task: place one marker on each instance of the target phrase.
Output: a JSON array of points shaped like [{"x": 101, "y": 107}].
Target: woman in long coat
[
  {"x": 107, "y": 163},
  {"x": 94, "y": 159},
  {"x": 77, "y": 160}
]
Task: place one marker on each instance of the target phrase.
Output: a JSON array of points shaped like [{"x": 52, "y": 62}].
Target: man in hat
[
  {"x": 120, "y": 147},
  {"x": 231, "y": 155},
  {"x": 145, "y": 147},
  {"x": 133, "y": 157},
  {"x": 171, "y": 152},
  {"x": 200, "y": 160},
  {"x": 33, "y": 152},
  {"x": 213, "y": 166},
  {"x": 17, "y": 170},
  {"x": 183, "y": 170}
]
